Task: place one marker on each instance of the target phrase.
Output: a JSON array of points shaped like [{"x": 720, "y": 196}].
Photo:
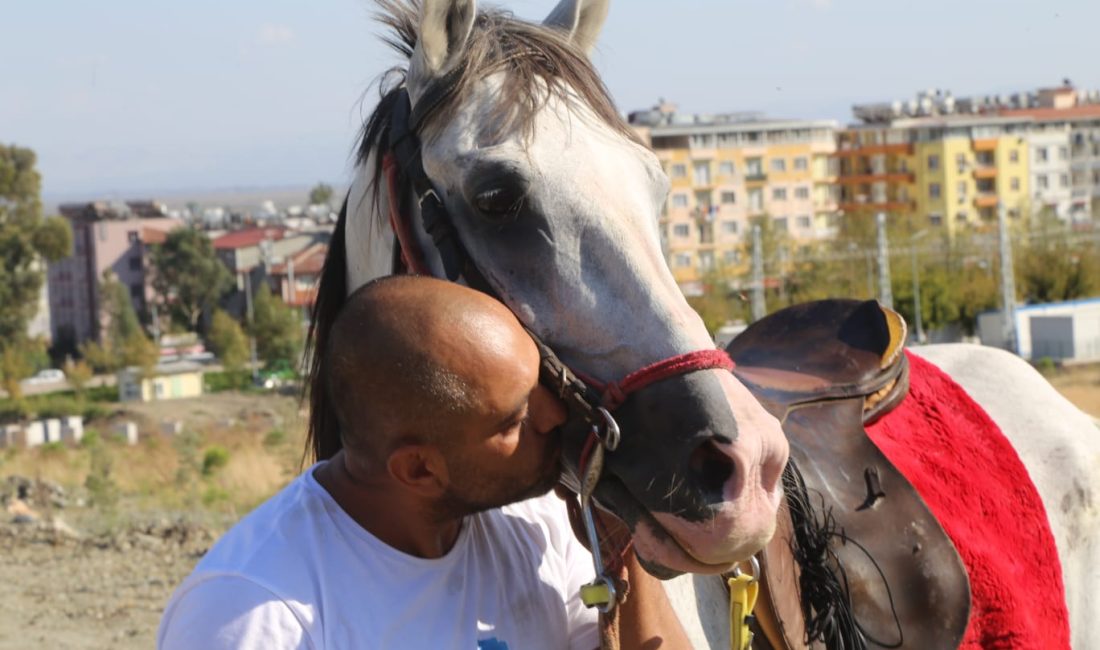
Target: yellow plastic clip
[
  {"x": 744, "y": 590},
  {"x": 597, "y": 594}
]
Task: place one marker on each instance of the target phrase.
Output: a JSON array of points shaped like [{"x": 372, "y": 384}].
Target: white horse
[{"x": 557, "y": 203}]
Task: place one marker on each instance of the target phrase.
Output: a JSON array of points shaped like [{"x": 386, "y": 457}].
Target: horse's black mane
[{"x": 541, "y": 63}]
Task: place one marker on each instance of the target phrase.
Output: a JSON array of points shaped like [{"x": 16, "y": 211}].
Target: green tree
[
  {"x": 78, "y": 374},
  {"x": 124, "y": 343},
  {"x": 321, "y": 194},
  {"x": 1052, "y": 269},
  {"x": 276, "y": 328},
  {"x": 188, "y": 277},
  {"x": 228, "y": 341},
  {"x": 27, "y": 240}
]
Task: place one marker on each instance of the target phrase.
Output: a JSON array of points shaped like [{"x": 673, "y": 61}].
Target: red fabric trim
[
  {"x": 977, "y": 487},
  {"x": 411, "y": 254}
]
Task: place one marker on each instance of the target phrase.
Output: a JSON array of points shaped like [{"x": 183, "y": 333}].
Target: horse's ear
[
  {"x": 445, "y": 27},
  {"x": 581, "y": 19}
]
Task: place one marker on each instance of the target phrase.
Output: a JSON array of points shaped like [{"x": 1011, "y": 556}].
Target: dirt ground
[{"x": 73, "y": 577}]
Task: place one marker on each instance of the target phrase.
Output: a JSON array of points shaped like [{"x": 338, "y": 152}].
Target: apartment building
[
  {"x": 726, "y": 170},
  {"x": 946, "y": 162},
  {"x": 111, "y": 237}
]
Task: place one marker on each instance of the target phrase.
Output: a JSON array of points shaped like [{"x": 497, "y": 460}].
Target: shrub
[
  {"x": 53, "y": 448},
  {"x": 1046, "y": 366},
  {"x": 91, "y": 438},
  {"x": 214, "y": 459},
  {"x": 214, "y": 495},
  {"x": 274, "y": 438},
  {"x": 217, "y": 382}
]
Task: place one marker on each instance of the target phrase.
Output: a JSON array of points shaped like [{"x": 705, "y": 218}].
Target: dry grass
[
  {"x": 263, "y": 435},
  {"x": 1080, "y": 385}
]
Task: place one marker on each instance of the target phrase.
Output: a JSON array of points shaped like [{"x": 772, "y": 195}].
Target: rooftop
[
  {"x": 307, "y": 261},
  {"x": 249, "y": 237}
]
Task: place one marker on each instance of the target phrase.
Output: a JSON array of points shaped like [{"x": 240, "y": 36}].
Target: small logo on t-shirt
[{"x": 491, "y": 644}]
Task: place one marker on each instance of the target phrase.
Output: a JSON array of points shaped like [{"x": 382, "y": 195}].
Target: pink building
[{"x": 114, "y": 237}]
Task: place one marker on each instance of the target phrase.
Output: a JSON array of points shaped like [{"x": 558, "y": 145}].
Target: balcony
[
  {"x": 885, "y": 206},
  {"x": 986, "y": 200},
  {"x": 885, "y": 177},
  {"x": 756, "y": 177},
  {"x": 848, "y": 149},
  {"x": 985, "y": 172},
  {"x": 988, "y": 144}
]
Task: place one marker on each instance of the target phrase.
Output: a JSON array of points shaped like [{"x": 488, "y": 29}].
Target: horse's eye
[{"x": 499, "y": 203}]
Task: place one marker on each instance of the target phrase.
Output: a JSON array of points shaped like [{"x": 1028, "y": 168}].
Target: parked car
[{"x": 47, "y": 376}]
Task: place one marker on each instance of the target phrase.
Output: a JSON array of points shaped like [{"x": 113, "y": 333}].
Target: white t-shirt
[{"x": 298, "y": 572}]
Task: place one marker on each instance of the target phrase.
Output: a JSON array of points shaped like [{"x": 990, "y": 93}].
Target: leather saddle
[{"x": 826, "y": 369}]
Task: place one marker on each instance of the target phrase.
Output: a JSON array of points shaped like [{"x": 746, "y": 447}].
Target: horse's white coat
[{"x": 1058, "y": 444}]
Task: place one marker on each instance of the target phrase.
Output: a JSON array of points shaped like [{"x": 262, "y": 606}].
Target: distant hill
[{"x": 230, "y": 197}]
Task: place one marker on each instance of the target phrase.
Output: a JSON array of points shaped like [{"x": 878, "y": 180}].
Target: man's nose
[{"x": 546, "y": 410}]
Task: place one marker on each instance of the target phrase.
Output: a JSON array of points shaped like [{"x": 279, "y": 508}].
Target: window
[
  {"x": 132, "y": 236},
  {"x": 801, "y": 164},
  {"x": 679, "y": 200},
  {"x": 1063, "y": 180},
  {"x": 136, "y": 292},
  {"x": 701, "y": 172},
  {"x": 756, "y": 200},
  {"x": 779, "y": 165},
  {"x": 682, "y": 260},
  {"x": 679, "y": 170},
  {"x": 961, "y": 187},
  {"x": 779, "y": 194},
  {"x": 729, "y": 197},
  {"x": 681, "y": 230},
  {"x": 803, "y": 222},
  {"x": 729, "y": 227},
  {"x": 960, "y": 159},
  {"x": 1014, "y": 156},
  {"x": 754, "y": 167},
  {"x": 135, "y": 263},
  {"x": 1014, "y": 183},
  {"x": 1042, "y": 181},
  {"x": 1063, "y": 153},
  {"x": 781, "y": 224},
  {"x": 731, "y": 257},
  {"x": 725, "y": 168},
  {"x": 934, "y": 190},
  {"x": 801, "y": 192},
  {"x": 1041, "y": 154},
  {"x": 961, "y": 216},
  {"x": 706, "y": 260},
  {"x": 935, "y": 219},
  {"x": 933, "y": 162}
]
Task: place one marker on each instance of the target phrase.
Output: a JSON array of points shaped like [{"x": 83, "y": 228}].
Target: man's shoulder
[{"x": 286, "y": 524}]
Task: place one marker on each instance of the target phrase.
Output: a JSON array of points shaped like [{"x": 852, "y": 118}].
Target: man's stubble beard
[{"x": 454, "y": 505}]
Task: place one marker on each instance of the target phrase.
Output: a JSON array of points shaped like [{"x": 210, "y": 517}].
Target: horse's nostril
[{"x": 710, "y": 467}]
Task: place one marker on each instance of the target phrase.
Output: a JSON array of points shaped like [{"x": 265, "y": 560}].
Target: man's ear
[{"x": 420, "y": 468}]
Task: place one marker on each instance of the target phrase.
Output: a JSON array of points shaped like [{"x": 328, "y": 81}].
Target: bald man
[{"x": 432, "y": 528}]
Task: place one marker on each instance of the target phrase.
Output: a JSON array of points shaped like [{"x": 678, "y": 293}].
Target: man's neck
[{"x": 386, "y": 511}]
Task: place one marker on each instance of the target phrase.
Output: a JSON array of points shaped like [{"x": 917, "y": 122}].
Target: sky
[{"x": 127, "y": 98}]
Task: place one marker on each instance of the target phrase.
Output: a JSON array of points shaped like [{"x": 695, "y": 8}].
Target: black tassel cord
[{"x": 823, "y": 584}]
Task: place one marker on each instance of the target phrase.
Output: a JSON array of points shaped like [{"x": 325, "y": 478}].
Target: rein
[{"x": 586, "y": 398}]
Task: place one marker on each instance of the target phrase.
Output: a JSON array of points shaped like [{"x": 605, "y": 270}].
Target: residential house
[{"x": 174, "y": 380}]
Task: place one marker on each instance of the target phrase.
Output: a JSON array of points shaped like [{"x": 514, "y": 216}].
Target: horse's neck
[{"x": 369, "y": 237}]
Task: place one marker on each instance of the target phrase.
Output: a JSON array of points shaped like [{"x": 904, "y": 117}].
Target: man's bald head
[{"x": 407, "y": 356}]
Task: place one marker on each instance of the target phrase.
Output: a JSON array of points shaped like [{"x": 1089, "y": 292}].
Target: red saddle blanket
[{"x": 975, "y": 484}]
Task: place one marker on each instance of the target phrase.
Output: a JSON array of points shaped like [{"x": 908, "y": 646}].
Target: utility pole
[
  {"x": 916, "y": 293},
  {"x": 1008, "y": 282},
  {"x": 885, "y": 292},
  {"x": 759, "y": 310},
  {"x": 251, "y": 339}
]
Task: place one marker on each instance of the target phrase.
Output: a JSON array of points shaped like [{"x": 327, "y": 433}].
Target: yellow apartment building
[{"x": 726, "y": 170}]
